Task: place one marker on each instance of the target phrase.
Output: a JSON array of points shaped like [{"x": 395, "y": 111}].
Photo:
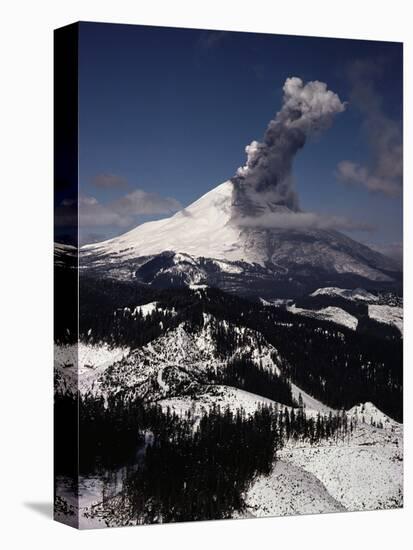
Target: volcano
[{"x": 204, "y": 245}]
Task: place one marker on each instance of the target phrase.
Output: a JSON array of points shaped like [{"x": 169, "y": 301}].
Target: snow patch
[
  {"x": 389, "y": 315},
  {"x": 334, "y": 314},
  {"x": 228, "y": 267},
  {"x": 217, "y": 396},
  {"x": 146, "y": 309},
  {"x": 356, "y": 295}
]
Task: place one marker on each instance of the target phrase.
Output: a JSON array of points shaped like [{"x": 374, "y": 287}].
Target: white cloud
[
  {"x": 122, "y": 212},
  {"x": 141, "y": 202},
  {"x": 94, "y": 214}
]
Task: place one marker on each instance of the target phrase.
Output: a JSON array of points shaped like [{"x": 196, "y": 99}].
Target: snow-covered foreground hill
[
  {"x": 360, "y": 472},
  {"x": 364, "y": 472}
]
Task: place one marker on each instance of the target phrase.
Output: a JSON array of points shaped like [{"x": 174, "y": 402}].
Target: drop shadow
[{"x": 45, "y": 509}]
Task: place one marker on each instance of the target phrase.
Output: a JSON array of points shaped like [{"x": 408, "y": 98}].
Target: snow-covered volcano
[
  {"x": 204, "y": 244},
  {"x": 201, "y": 229}
]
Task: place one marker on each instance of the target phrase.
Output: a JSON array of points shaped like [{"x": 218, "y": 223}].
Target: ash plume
[{"x": 264, "y": 184}]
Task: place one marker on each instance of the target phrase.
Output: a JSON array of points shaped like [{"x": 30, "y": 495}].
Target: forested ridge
[{"x": 334, "y": 364}]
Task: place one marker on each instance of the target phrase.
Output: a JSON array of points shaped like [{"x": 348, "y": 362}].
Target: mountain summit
[
  {"x": 201, "y": 229},
  {"x": 204, "y": 244}
]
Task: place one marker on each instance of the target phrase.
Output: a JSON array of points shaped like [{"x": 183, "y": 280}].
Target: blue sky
[{"x": 170, "y": 111}]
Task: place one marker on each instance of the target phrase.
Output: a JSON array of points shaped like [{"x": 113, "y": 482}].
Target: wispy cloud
[
  {"x": 384, "y": 174},
  {"x": 122, "y": 212},
  {"x": 301, "y": 221},
  {"x": 209, "y": 40},
  {"x": 92, "y": 213}
]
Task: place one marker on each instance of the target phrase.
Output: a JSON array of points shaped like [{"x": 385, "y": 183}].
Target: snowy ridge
[
  {"x": 358, "y": 294},
  {"x": 236, "y": 399},
  {"x": 185, "y": 359},
  {"x": 368, "y": 413}
]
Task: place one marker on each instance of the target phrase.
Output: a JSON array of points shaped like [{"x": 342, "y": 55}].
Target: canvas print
[{"x": 228, "y": 275}]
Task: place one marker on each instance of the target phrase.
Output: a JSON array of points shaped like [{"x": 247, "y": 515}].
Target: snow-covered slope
[
  {"x": 206, "y": 229},
  {"x": 222, "y": 396},
  {"x": 201, "y": 229},
  {"x": 362, "y": 472},
  {"x": 334, "y": 314},
  {"x": 78, "y": 367},
  {"x": 289, "y": 490},
  {"x": 311, "y": 404}
]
